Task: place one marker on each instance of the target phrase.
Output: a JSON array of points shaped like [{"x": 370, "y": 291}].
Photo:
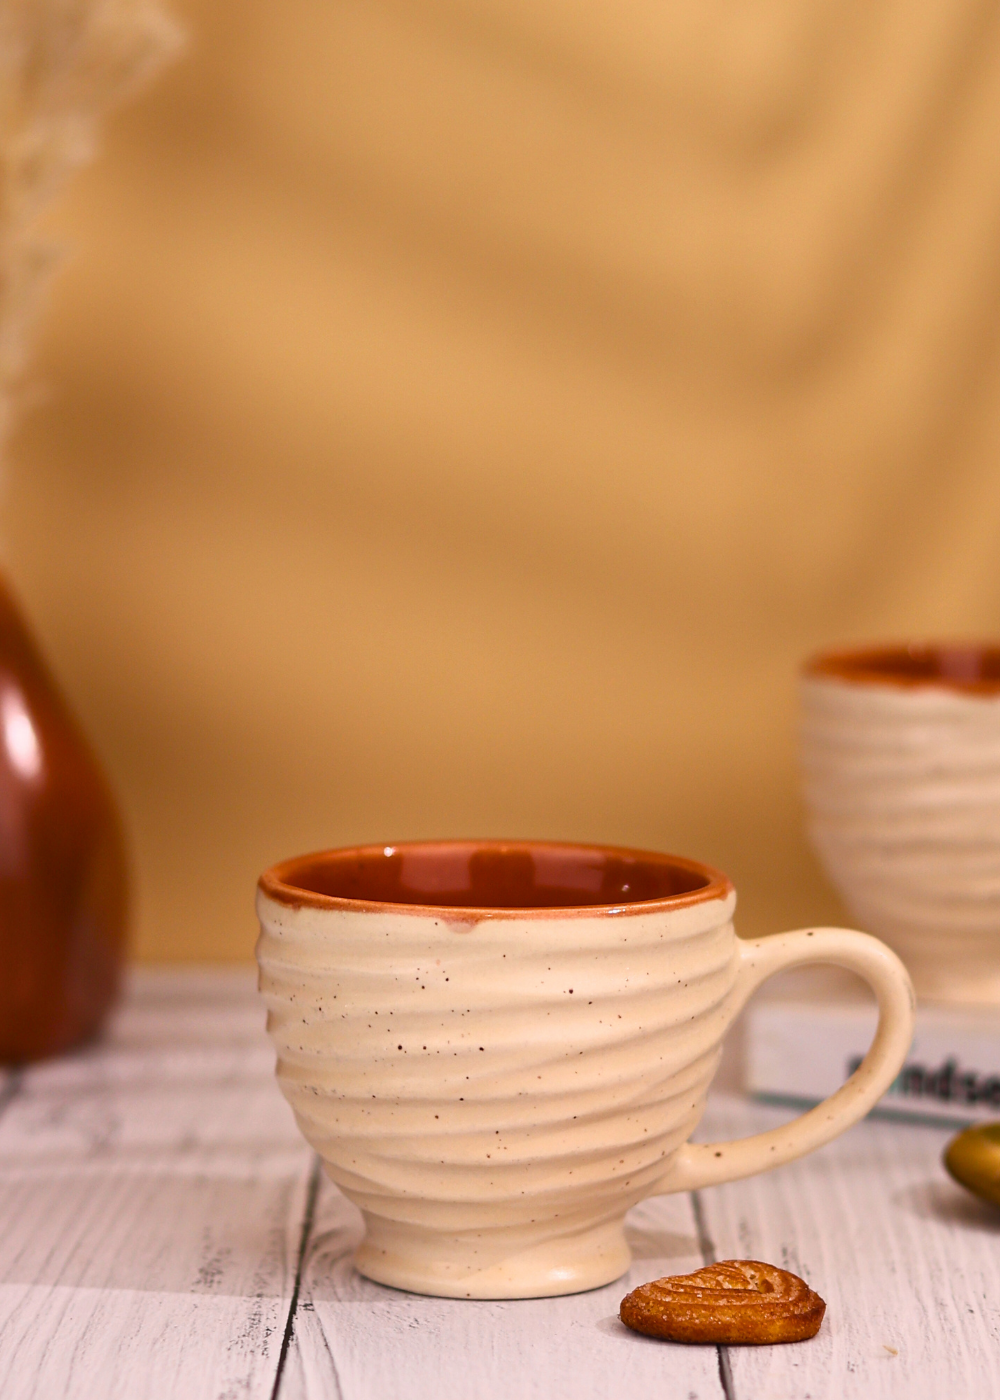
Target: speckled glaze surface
[
  {"x": 902, "y": 787},
  {"x": 496, "y": 1088}
]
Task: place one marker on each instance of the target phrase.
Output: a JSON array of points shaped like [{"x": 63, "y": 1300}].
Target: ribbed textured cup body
[
  {"x": 902, "y": 787},
  {"x": 496, "y": 1087}
]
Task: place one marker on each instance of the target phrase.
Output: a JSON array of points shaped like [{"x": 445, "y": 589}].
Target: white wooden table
[{"x": 164, "y": 1232}]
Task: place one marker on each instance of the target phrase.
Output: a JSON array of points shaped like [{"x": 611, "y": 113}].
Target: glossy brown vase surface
[{"x": 63, "y": 890}]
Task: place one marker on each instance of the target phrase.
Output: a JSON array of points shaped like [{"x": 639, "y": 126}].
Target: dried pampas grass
[{"x": 62, "y": 64}]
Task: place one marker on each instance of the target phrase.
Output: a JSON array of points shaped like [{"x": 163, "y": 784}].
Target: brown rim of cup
[
  {"x": 365, "y": 878},
  {"x": 971, "y": 668}
]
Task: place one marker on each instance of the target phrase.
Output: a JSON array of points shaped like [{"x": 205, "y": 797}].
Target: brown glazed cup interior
[
  {"x": 491, "y": 877},
  {"x": 966, "y": 666}
]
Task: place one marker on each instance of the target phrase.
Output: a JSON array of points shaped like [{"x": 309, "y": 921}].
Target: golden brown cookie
[{"x": 736, "y": 1302}]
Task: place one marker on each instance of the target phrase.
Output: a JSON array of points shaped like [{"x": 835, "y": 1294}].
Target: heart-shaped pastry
[{"x": 735, "y": 1302}]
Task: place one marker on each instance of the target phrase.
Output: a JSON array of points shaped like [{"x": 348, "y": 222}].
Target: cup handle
[{"x": 709, "y": 1164}]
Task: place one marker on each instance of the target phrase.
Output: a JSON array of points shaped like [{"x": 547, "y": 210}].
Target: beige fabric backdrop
[{"x": 463, "y": 414}]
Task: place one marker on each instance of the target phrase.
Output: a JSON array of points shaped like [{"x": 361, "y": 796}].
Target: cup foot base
[{"x": 478, "y": 1266}]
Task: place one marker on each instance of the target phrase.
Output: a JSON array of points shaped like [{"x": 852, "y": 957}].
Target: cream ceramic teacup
[
  {"x": 901, "y": 752},
  {"x": 498, "y": 1048}
]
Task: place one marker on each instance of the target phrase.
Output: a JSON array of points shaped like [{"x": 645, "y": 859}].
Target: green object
[{"x": 973, "y": 1159}]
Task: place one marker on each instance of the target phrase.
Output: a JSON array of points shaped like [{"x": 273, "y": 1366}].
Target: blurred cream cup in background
[{"x": 901, "y": 758}]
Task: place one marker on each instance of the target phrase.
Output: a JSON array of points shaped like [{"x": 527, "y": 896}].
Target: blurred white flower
[{"x": 62, "y": 64}]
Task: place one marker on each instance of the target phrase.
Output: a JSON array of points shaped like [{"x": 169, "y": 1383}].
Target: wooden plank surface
[
  {"x": 155, "y": 1195},
  {"x": 151, "y": 1198},
  {"x": 355, "y": 1340},
  {"x": 909, "y": 1264}
]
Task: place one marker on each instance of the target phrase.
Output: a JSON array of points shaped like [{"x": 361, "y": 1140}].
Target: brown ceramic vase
[{"x": 62, "y": 862}]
